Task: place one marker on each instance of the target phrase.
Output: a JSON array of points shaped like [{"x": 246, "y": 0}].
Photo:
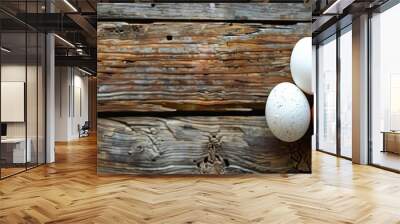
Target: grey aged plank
[
  {"x": 204, "y": 66},
  {"x": 178, "y": 145},
  {"x": 205, "y": 11}
]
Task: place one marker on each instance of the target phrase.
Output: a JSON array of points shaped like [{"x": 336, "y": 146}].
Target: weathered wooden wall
[
  {"x": 192, "y": 66},
  {"x": 195, "y": 58},
  {"x": 205, "y": 11},
  {"x": 179, "y": 145}
]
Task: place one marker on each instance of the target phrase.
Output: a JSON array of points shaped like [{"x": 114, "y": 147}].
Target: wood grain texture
[
  {"x": 196, "y": 57},
  {"x": 179, "y": 145},
  {"x": 205, "y": 11},
  {"x": 192, "y": 66}
]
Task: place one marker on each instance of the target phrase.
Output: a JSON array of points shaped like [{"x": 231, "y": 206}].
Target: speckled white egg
[
  {"x": 287, "y": 112},
  {"x": 301, "y": 64}
]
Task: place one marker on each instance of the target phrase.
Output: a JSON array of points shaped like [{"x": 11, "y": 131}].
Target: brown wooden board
[
  {"x": 172, "y": 66},
  {"x": 181, "y": 145},
  {"x": 205, "y": 11},
  {"x": 195, "y": 59}
]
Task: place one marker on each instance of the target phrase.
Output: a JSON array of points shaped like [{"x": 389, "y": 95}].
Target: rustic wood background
[
  {"x": 205, "y": 11},
  {"x": 195, "y": 58},
  {"x": 204, "y": 66},
  {"x": 177, "y": 144}
]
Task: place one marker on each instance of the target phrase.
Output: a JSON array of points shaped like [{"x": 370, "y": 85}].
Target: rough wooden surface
[
  {"x": 181, "y": 145},
  {"x": 182, "y": 58},
  {"x": 192, "y": 66},
  {"x": 205, "y": 11}
]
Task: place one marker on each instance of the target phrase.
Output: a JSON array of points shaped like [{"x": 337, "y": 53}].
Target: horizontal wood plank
[
  {"x": 192, "y": 66},
  {"x": 180, "y": 145},
  {"x": 205, "y": 11}
]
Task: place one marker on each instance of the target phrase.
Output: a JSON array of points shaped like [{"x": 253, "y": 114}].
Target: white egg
[
  {"x": 301, "y": 64},
  {"x": 287, "y": 112}
]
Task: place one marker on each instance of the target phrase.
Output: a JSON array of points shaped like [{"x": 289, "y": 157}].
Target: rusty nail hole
[{"x": 169, "y": 37}]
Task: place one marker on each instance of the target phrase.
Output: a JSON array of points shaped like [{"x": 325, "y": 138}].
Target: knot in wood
[{"x": 213, "y": 163}]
